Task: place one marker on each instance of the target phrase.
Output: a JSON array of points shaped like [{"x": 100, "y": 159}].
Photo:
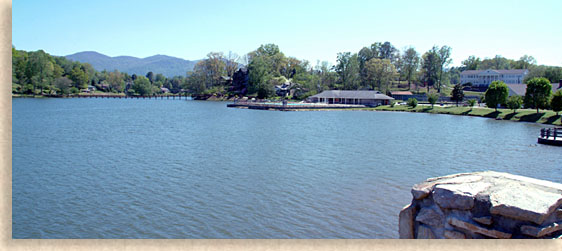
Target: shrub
[
  {"x": 514, "y": 102},
  {"x": 412, "y": 102},
  {"x": 556, "y": 102},
  {"x": 471, "y": 102},
  {"x": 432, "y": 98}
]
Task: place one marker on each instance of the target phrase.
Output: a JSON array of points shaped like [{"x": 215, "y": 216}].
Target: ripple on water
[{"x": 92, "y": 168}]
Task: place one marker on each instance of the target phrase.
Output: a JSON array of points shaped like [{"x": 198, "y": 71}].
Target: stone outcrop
[{"x": 483, "y": 205}]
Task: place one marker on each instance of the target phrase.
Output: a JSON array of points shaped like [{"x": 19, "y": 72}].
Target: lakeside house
[
  {"x": 520, "y": 89},
  {"x": 481, "y": 79},
  {"x": 401, "y": 95},
  {"x": 368, "y": 98}
]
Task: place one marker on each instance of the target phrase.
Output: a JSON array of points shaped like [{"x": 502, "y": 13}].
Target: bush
[
  {"x": 514, "y": 102},
  {"x": 392, "y": 103},
  {"x": 432, "y": 98},
  {"x": 412, "y": 102},
  {"x": 556, "y": 102},
  {"x": 471, "y": 102},
  {"x": 74, "y": 90}
]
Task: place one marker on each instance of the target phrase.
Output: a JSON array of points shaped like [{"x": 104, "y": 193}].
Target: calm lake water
[{"x": 116, "y": 168}]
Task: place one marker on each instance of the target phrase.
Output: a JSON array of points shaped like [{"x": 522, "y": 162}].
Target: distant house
[
  {"x": 401, "y": 95},
  {"x": 369, "y": 98},
  {"x": 483, "y": 78},
  {"x": 284, "y": 89},
  {"x": 520, "y": 89},
  {"x": 164, "y": 90},
  {"x": 89, "y": 89}
]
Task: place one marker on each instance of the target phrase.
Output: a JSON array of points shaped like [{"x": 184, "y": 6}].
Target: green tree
[
  {"x": 556, "y": 102},
  {"x": 471, "y": 63},
  {"x": 412, "y": 102},
  {"x": 457, "y": 94},
  {"x": 142, "y": 86},
  {"x": 525, "y": 62},
  {"x": 150, "y": 76},
  {"x": 379, "y": 73},
  {"x": 514, "y": 102},
  {"x": 538, "y": 93},
  {"x": 116, "y": 81},
  {"x": 430, "y": 67},
  {"x": 496, "y": 63},
  {"x": 411, "y": 62},
  {"x": 432, "y": 98},
  {"x": 63, "y": 84},
  {"x": 347, "y": 68},
  {"x": 471, "y": 102},
  {"x": 444, "y": 59},
  {"x": 496, "y": 94},
  {"x": 79, "y": 77}
]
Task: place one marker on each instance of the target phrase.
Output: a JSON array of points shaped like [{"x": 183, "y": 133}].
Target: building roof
[
  {"x": 517, "y": 89},
  {"x": 352, "y": 94},
  {"x": 401, "y": 93},
  {"x": 520, "y": 89},
  {"x": 517, "y": 71}
]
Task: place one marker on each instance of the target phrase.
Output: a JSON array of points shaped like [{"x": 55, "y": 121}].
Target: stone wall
[{"x": 483, "y": 205}]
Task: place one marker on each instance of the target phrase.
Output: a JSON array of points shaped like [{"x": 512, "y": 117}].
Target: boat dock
[
  {"x": 285, "y": 106},
  {"x": 551, "y": 136}
]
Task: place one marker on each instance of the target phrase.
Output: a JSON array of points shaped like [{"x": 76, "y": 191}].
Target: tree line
[
  {"x": 379, "y": 66},
  {"x": 38, "y": 73}
]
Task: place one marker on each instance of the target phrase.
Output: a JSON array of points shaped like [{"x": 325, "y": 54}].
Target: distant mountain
[{"x": 169, "y": 66}]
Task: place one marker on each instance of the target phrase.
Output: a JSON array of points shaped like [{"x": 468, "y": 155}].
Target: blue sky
[{"x": 311, "y": 30}]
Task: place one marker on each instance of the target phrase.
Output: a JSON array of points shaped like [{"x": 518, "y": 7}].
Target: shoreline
[{"x": 546, "y": 117}]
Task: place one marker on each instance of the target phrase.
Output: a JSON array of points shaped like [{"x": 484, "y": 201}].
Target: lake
[{"x": 122, "y": 168}]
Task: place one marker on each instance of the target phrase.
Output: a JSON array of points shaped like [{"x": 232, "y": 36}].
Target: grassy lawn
[{"x": 526, "y": 115}]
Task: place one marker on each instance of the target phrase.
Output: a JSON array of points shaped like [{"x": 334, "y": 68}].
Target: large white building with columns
[{"x": 486, "y": 77}]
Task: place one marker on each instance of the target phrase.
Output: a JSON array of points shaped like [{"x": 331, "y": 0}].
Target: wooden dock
[
  {"x": 291, "y": 107},
  {"x": 551, "y": 136}
]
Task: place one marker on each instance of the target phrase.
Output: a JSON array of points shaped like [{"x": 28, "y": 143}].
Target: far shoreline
[{"x": 545, "y": 117}]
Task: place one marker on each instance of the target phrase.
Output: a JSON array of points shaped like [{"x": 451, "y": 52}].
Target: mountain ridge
[{"x": 169, "y": 66}]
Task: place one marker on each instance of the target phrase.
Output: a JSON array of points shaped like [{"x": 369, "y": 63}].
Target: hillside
[{"x": 169, "y": 66}]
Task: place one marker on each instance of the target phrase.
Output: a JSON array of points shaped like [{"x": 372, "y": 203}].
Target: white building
[{"x": 486, "y": 77}]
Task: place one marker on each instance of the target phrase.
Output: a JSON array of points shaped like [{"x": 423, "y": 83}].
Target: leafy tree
[
  {"x": 514, "y": 102},
  {"x": 432, "y": 98},
  {"x": 348, "y": 71},
  {"x": 116, "y": 81},
  {"x": 79, "y": 77},
  {"x": 471, "y": 63},
  {"x": 496, "y": 94},
  {"x": 379, "y": 73},
  {"x": 444, "y": 58},
  {"x": 430, "y": 67},
  {"x": 231, "y": 63},
  {"x": 525, "y": 62},
  {"x": 457, "y": 94},
  {"x": 150, "y": 76},
  {"x": 411, "y": 61},
  {"x": 556, "y": 102},
  {"x": 63, "y": 84},
  {"x": 496, "y": 63},
  {"x": 142, "y": 86},
  {"x": 412, "y": 102},
  {"x": 538, "y": 93}
]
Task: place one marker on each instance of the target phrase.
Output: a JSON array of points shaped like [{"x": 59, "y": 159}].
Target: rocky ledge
[{"x": 483, "y": 205}]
